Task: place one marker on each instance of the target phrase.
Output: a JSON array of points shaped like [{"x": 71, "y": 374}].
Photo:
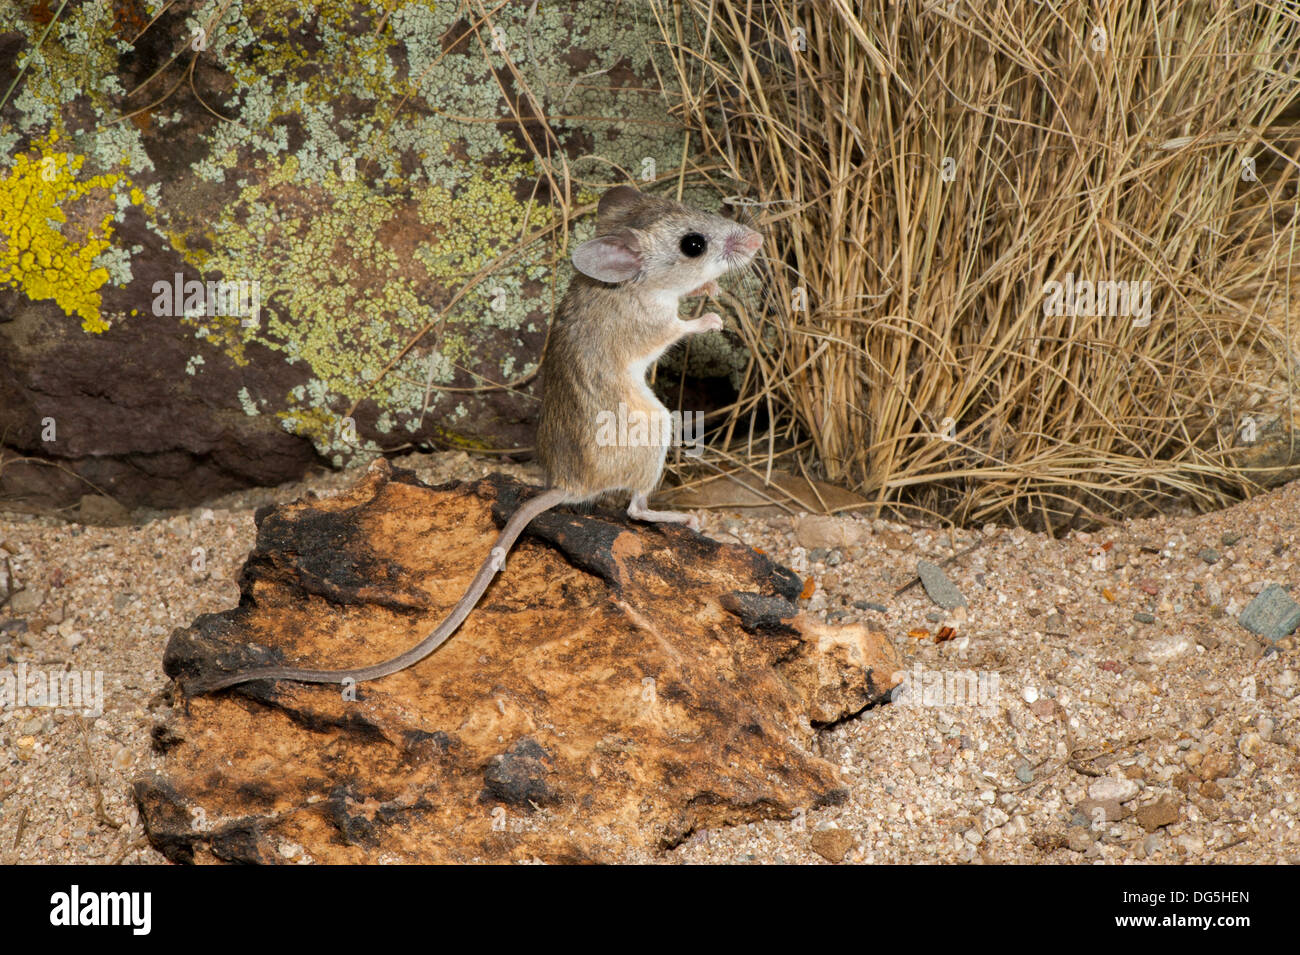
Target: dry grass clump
[{"x": 924, "y": 170}]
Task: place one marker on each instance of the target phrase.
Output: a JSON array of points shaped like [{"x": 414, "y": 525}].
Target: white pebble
[
  {"x": 993, "y": 818},
  {"x": 1265, "y": 726},
  {"x": 1163, "y": 650},
  {"x": 1120, "y": 790}
]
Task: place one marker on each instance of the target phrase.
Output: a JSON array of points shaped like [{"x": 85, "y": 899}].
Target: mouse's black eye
[{"x": 693, "y": 245}]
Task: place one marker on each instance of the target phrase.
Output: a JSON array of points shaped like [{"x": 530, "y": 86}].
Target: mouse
[{"x": 618, "y": 316}]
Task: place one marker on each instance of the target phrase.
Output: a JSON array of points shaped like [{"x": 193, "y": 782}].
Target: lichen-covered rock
[
  {"x": 379, "y": 230},
  {"x": 619, "y": 686}
]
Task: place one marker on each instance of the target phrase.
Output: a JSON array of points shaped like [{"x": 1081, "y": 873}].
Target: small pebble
[
  {"x": 1162, "y": 812},
  {"x": 122, "y": 759},
  {"x": 831, "y": 844},
  {"x": 869, "y": 605},
  {"x": 938, "y": 587},
  {"x": 1101, "y": 812},
  {"x": 1107, "y": 789},
  {"x": 1190, "y": 844},
  {"x": 26, "y": 601},
  {"x": 993, "y": 818},
  {"x": 1265, "y": 726},
  {"x": 1078, "y": 840},
  {"x": 1163, "y": 650},
  {"x": 8, "y": 627},
  {"x": 1273, "y": 614}
]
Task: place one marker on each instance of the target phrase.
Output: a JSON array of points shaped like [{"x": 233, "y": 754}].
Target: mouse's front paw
[{"x": 710, "y": 322}]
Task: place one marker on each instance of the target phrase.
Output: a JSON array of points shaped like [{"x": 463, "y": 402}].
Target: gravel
[{"x": 1192, "y": 713}]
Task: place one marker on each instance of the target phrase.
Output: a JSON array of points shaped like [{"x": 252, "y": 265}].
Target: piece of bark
[{"x": 601, "y": 698}]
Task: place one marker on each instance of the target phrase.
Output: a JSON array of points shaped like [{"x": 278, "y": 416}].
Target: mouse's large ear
[
  {"x": 617, "y": 196},
  {"x": 614, "y": 205},
  {"x": 610, "y": 258}
]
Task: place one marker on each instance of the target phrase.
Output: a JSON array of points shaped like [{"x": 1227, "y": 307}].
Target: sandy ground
[{"x": 1097, "y": 700}]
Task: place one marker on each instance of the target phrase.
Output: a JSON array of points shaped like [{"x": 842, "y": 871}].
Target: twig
[
  {"x": 130, "y": 847},
  {"x": 9, "y": 578},
  {"x": 1228, "y": 845},
  {"x": 100, "y": 814},
  {"x": 22, "y": 827}
]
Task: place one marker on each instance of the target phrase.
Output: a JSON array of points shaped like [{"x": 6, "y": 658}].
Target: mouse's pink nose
[{"x": 744, "y": 241}]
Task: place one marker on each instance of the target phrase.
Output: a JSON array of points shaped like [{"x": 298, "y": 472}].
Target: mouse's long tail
[{"x": 495, "y": 562}]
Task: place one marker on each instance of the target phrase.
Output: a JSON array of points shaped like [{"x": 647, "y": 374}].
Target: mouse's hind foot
[{"x": 639, "y": 511}]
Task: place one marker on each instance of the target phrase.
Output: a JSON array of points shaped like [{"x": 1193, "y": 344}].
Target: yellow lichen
[
  {"x": 222, "y": 331},
  {"x": 317, "y": 424},
  {"x": 35, "y": 255}
]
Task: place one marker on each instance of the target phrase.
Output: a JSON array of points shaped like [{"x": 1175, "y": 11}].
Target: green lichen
[
  {"x": 248, "y": 404},
  {"x": 75, "y": 61},
  {"x": 349, "y": 294}
]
